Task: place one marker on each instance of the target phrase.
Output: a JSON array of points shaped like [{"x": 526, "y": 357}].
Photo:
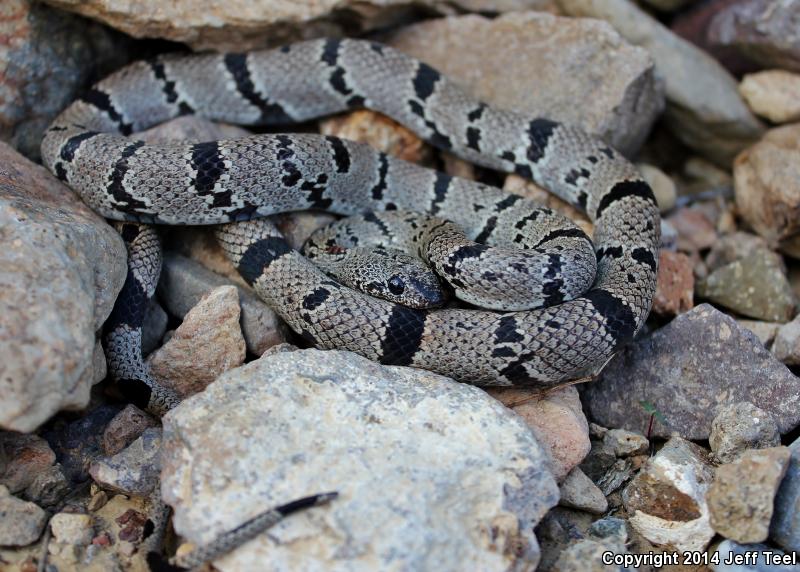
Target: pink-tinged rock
[{"x": 675, "y": 285}]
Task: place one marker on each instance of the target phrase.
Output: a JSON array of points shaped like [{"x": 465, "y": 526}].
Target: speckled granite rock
[
  {"x": 468, "y": 487},
  {"x": 739, "y": 427},
  {"x": 62, "y": 267},
  {"x": 688, "y": 370},
  {"x": 585, "y": 74}
]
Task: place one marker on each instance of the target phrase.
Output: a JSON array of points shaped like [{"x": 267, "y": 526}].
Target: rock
[
  {"x": 558, "y": 530},
  {"x": 468, "y": 487},
  {"x": 49, "y": 487},
  {"x": 71, "y": 528},
  {"x": 21, "y": 522},
  {"x": 618, "y": 474},
  {"x": 209, "y": 25},
  {"x": 297, "y": 227},
  {"x": 753, "y": 558},
  {"x": 578, "y": 491},
  {"x": 764, "y": 331},
  {"x": 706, "y": 173},
  {"x": 785, "y": 526},
  {"x": 586, "y": 75},
  {"x": 695, "y": 230},
  {"x": 740, "y": 499},
  {"x": 688, "y": 370},
  {"x": 79, "y": 442},
  {"x": 587, "y": 556},
  {"x": 625, "y": 443},
  {"x": 764, "y": 31},
  {"x": 155, "y": 324},
  {"x": 184, "y": 281},
  {"x": 46, "y": 58},
  {"x": 754, "y": 286},
  {"x": 134, "y": 470},
  {"x": 379, "y": 132},
  {"x": 663, "y": 186},
  {"x": 610, "y": 527},
  {"x": 741, "y": 426},
  {"x": 557, "y": 420},
  {"x": 207, "y": 343},
  {"x": 668, "y": 497},
  {"x": 704, "y": 109},
  {"x": 62, "y": 268},
  {"x": 774, "y": 94},
  {"x": 530, "y": 190},
  {"x": 765, "y": 182},
  {"x": 97, "y": 501},
  {"x": 125, "y": 428},
  {"x": 22, "y": 457},
  {"x": 787, "y": 343},
  {"x": 732, "y": 247},
  {"x": 675, "y": 284}
]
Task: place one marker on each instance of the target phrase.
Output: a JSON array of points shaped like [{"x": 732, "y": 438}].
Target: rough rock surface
[
  {"x": 469, "y": 486},
  {"x": 22, "y": 457},
  {"x": 135, "y": 469},
  {"x": 739, "y": 427},
  {"x": 667, "y": 499},
  {"x": 21, "y": 522},
  {"x": 585, "y": 74},
  {"x": 704, "y": 109},
  {"x": 765, "y": 31},
  {"x": 764, "y": 331},
  {"x": 755, "y": 286},
  {"x": 732, "y": 247},
  {"x": 689, "y": 369},
  {"x": 741, "y": 498},
  {"x": 675, "y": 284},
  {"x": 62, "y": 268},
  {"x": 125, "y": 428},
  {"x": 765, "y": 182},
  {"x": 72, "y": 528},
  {"x": 774, "y": 94},
  {"x": 207, "y": 343},
  {"x": 785, "y": 526},
  {"x": 241, "y": 25},
  {"x": 46, "y": 58},
  {"x": 558, "y": 421},
  {"x": 578, "y": 491},
  {"x": 728, "y": 550},
  {"x": 184, "y": 281}
]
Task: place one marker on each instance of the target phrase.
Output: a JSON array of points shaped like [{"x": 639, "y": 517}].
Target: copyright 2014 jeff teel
[{"x": 696, "y": 557}]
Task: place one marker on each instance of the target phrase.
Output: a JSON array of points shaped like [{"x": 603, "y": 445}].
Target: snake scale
[{"x": 238, "y": 181}]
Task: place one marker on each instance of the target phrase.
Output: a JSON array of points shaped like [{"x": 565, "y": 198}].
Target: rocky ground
[{"x": 686, "y": 447}]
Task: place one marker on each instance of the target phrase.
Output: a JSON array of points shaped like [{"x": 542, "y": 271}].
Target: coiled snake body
[{"x": 238, "y": 180}]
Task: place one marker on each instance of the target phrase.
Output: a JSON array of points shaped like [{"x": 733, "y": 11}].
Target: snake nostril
[{"x": 396, "y": 285}]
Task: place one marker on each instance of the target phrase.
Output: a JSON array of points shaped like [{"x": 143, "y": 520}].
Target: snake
[{"x": 591, "y": 304}]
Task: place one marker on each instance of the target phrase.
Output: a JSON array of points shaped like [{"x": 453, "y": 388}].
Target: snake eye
[{"x": 396, "y": 285}]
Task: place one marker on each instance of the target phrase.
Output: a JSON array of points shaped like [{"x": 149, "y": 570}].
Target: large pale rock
[
  {"x": 583, "y": 72},
  {"x": 207, "y": 343},
  {"x": 667, "y": 499},
  {"x": 704, "y": 108},
  {"x": 21, "y": 522},
  {"x": 785, "y": 526},
  {"x": 468, "y": 487},
  {"x": 62, "y": 267},
  {"x": 244, "y": 24},
  {"x": 46, "y": 59},
  {"x": 765, "y": 182},
  {"x": 740, "y": 499},
  {"x": 558, "y": 421},
  {"x": 774, "y": 94},
  {"x": 184, "y": 282},
  {"x": 689, "y": 369}
]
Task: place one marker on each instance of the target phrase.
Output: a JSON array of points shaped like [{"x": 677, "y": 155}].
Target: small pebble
[
  {"x": 739, "y": 427},
  {"x": 663, "y": 186},
  {"x": 773, "y": 94}
]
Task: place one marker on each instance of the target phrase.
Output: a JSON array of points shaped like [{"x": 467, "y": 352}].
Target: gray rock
[
  {"x": 667, "y": 499},
  {"x": 155, "y": 324},
  {"x": 754, "y": 286},
  {"x": 184, "y": 282},
  {"x": 22, "y": 457},
  {"x": 21, "y": 522},
  {"x": 741, "y": 426},
  {"x": 785, "y": 526},
  {"x": 751, "y": 558},
  {"x": 125, "y": 428},
  {"x": 704, "y": 109},
  {"x": 732, "y": 247},
  {"x": 764, "y": 331},
  {"x": 62, "y": 268},
  {"x": 741, "y": 498},
  {"x": 134, "y": 470},
  {"x": 787, "y": 343},
  {"x": 610, "y": 527},
  {"x": 586, "y": 74},
  {"x": 558, "y": 530},
  {"x": 49, "y": 487},
  {"x": 47, "y": 59},
  {"x": 690, "y": 369},
  {"x": 765, "y": 31},
  {"x": 587, "y": 556},
  {"x": 578, "y": 491},
  {"x": 294, "y": 423}
]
